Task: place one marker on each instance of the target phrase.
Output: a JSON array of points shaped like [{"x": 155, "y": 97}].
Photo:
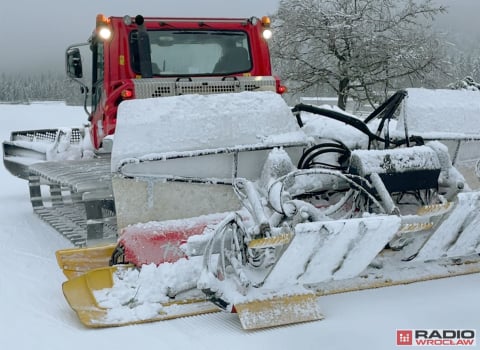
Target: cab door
[{"x": 98, "y": 107}]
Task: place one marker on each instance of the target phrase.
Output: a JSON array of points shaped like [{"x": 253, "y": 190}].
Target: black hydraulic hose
[
  {"x": 329, "y": 147},
  {"x": 390, "y": 106},
  {"x": 352, "y": 121},
  {"x": 387, "y": 110},
  {"x": 310, "y": 160}
]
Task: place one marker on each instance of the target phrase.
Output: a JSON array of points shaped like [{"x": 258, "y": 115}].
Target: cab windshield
[{"x": 190, "y": 53}]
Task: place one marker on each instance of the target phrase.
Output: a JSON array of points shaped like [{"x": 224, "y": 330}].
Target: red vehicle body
[
  {"x": 159, "y": 242},
  {"x": 171, "y": 56}
]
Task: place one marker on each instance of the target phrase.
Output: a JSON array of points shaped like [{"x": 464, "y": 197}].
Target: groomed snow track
[{"x": 75, "y": 198}]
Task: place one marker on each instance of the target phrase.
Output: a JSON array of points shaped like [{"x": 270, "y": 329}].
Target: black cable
[{"x": 308, "y": 157}]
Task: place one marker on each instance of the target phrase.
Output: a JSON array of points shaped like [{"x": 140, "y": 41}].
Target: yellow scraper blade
[
  {"x": 274, "y": 241},
  {"x": 435, "y": 209},
  {"x": 80, "y": 295},
  {"x": 278, "y": 311},
  {"x": 76, "y": 261}
]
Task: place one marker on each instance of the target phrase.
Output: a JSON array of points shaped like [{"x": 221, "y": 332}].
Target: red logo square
[{"x": 404, "y": 337}]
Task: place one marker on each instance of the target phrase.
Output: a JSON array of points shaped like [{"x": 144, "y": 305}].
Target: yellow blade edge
[
  {"x": 435, "y": 209},
  {"x": 76, "y": 261},
  {"x": 415, "y": 227},
  {"x": 278, "y": 311},
  {"x": 79, "y": 293},
  {"x": 266, "y": 242}
]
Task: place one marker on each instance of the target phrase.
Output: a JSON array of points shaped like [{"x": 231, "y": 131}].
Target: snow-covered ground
[{"x": 35, "y": 315}]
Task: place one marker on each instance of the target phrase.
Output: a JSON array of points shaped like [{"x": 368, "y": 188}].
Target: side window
[
  {"x": 97, "y": 78},
  {"x": 134, "y": 56}
]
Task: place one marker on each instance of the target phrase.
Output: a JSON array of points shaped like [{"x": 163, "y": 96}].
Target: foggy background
[
  {"x": 461, "y": 20},
  {"x": 34, "y": 34}
]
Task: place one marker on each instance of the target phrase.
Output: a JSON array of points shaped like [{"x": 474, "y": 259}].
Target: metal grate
[
  {"x": 155, "y": 87},
  {"x": 46, "y": 135},
  {"x": 162, "y": 91},
  {"x": 203, "y": 89}
]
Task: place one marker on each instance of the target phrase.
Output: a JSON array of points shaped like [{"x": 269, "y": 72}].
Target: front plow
[
  {"x": 383, "y": 229},
  {"x": 338, "y": 256},
  {"x": 325, "y": 220},
  {"x": 84, "y": 295},
  {"x": 318, "y": 259}
]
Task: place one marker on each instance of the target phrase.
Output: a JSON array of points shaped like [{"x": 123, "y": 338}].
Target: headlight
[
  {"x": 105, "y": 33},
  {"x": 267, "y": 34}
]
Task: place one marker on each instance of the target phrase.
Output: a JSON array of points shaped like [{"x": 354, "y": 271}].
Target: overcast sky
[{"x": 36, "y": 33}]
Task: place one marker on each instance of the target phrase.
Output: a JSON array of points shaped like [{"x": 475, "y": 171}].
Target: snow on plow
[
  {"x": 96, "y": 308},
  {"x": 304, "y": 219}
]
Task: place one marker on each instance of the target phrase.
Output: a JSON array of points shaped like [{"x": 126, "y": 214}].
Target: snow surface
[
  {"x": 441, "y": 111},
  {"x": 35, "y": 315}
]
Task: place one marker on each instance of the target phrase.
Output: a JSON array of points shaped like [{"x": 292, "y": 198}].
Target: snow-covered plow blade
[
  {"x": 264, "y": 279},
  {"x": 389, "y": 216},
  {"x": 451, "y": 249},
  {"x": 278, "y": 311},
  {"x": 91, "y": 292},
  {"x": 83, "y": 294}
]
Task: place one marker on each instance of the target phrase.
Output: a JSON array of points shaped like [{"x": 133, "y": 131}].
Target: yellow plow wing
[
  {"x": 76, "y": 261},
  {"x": 80, "y": 295},
  {"x": 278, "y": 311}
]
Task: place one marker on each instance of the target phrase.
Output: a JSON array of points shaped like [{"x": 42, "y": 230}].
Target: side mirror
[{"x": 74, "y": 63}]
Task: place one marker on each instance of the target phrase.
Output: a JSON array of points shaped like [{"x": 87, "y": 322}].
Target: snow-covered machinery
[
  {"x": 293, "y": 214},
  {"x": 68, "y": 169},
  {"x": 214, "y": 196},
  {"x": 377, "y": 232}
]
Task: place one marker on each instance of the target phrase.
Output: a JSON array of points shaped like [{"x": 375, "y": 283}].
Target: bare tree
[{"x": 356, "y": 47}]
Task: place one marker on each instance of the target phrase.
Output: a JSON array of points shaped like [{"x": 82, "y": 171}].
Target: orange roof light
[
  {"x": 101, "y": 19},
  {"x": 266, "y": 21}
]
